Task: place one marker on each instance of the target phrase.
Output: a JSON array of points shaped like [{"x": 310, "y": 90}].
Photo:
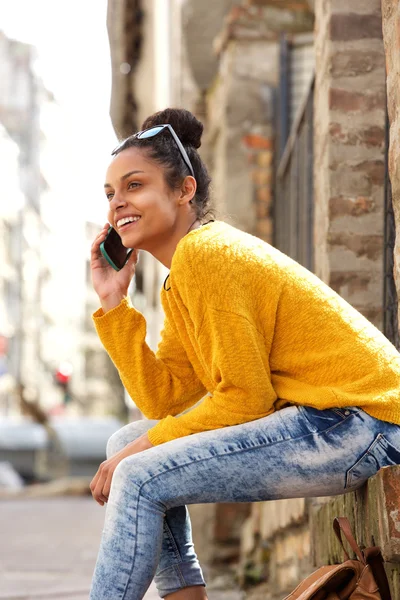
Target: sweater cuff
[
  {"x": 154, "y": 437},
  {"x": 162, "y": 432},
  {"x": 125, "y": 304}
]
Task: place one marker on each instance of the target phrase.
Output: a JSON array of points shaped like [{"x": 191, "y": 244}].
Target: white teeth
[{"x": 127, "y": 220}]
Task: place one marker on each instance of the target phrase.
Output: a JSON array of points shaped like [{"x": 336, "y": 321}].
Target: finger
[
  {"x": 107, "y": 485},
  {"x": 94, "y": 486},
  {"x": 101, "y": 234},
  {"x": 93, "y": 483},
  {"x": 95, "y": 248},
  {"x": 98, "y": 491}
]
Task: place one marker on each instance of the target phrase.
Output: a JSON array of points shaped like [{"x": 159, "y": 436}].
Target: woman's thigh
[{"x": 295, "y": 452}]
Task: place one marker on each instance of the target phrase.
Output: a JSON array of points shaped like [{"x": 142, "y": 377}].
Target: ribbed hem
[
  {"x": 179, "y": 576},
  {"x": 155, "y": 438},
  {"x": 390, "y": 416}
]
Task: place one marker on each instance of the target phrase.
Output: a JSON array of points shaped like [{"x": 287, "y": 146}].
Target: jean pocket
[
  {"x": 321, "y": 420},
  {"x": 380, "y": 453}
]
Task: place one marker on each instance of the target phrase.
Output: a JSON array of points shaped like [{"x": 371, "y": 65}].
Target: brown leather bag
[{"x": 363, "y": 578}]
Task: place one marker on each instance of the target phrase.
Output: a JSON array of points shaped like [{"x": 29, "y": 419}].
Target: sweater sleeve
[
  {"x": 161, "y": 383},
  {"x": 239, "y": 366}
]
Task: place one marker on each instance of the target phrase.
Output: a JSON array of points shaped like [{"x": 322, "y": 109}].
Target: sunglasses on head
[{"x": 153, "y": 131}]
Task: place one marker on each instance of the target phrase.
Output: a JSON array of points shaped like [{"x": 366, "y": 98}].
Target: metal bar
[
  {"x": 284, "y": 93},
  {"x": 310, "y": 180},
  {"x": 296, "y": 125},
  {"x": 390, "y": 300}
]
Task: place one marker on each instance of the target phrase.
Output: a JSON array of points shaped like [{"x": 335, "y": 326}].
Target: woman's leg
[
  {"x": 295, "y": 452},
  {"x": 178, "y": 565}
]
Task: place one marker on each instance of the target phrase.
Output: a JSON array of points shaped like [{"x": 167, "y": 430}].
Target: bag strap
[
  {"x": 343, "y": 524},
  {"x": 374, "y": 558},
  {"x": 371, "y": 556}
]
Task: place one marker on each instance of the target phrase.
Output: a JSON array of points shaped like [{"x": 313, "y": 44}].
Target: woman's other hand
[
  {"x": 110, "y": 285},
  {"x": 101, "y": 482}
]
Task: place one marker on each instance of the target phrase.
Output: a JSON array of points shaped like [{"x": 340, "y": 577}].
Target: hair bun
[{"x": 186, "y": 126}]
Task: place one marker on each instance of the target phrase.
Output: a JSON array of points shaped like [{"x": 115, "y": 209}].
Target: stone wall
[
  {"x": 391, "y": 35},
  {"x": 275, "y": 545},
  {"x": 373, "y": 512},
  {"x": 349, "y": 145}
]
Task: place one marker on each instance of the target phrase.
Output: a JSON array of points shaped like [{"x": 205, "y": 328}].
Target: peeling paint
[{"x": 394, "y": 515}]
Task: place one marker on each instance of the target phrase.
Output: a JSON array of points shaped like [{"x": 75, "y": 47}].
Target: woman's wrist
[
  {"x": 112, "y": 301},
  {"x": 138, "y": 445}
]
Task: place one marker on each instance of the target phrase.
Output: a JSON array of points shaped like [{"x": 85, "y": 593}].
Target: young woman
[{"x": 301, "y": 393}]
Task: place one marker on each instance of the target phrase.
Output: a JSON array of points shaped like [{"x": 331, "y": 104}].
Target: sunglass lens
[{"x": 149, "y": 133}]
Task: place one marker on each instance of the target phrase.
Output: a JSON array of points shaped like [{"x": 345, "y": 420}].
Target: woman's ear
[{"x": 188, "y": 190}]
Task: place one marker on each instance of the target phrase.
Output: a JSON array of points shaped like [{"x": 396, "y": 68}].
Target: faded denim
[{"x": 295, "y": 452}]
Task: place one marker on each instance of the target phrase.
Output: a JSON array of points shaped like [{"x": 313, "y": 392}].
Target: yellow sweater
[{"x": 255, "y": 330}]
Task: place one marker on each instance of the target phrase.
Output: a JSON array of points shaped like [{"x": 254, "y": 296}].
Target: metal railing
[
  {"x": 294, "y": 203},
  {"x": 390, "y": 301}
]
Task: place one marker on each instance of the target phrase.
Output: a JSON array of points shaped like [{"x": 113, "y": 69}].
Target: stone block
[
  {"x": 279, "y": 514},
  {"x": 374, "y": 169},
  {"x": 264, "y": 158},
  {"x": 262, "y": 177},
  {"x": 367, "y": 7},
  {"x": 290, "y": 558},
  {"x": 352, "y": 281},
  {"x": 262, "y": 210},
  {"x": 352, "y": 26},
  {"x": 264, "y": 195},
  {"x": 351, "y": 63},
  {"x": 351, "y": 101},
  {"x": 369, "y": 246},
  {"x": 371, "y": 136},
  {"x": 344, "y": 206},
  {"x": 247, "y": 539}
]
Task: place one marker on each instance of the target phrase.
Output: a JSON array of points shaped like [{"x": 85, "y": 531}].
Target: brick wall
[
  {"x": 391, "y": 31},
  {"x": 349, "y": 151}
]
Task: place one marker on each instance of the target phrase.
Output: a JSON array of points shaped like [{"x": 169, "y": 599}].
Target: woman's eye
[
  {"x": 133, "y": 184},
  {"x": 109, "y": 196}
]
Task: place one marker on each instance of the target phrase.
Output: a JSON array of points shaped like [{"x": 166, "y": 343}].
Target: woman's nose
[{"x": 117, "y": 202}]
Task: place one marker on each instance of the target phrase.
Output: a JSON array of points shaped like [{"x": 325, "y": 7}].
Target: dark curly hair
[{"x": 164, "y": 150}]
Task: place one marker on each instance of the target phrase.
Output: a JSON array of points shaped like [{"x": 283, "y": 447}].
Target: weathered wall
[
  {"x": 240, "y": 123},
  {"x": 299, "y": 535},
  {"x": 373, "y": 512},
  {"x": 391, "y": 36},
  {"x": 275, "y": 545},
  {"x": 349, "y": 151}
]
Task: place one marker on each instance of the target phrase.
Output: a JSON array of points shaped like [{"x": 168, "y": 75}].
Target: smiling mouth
[{"x": 125, "y": 226}]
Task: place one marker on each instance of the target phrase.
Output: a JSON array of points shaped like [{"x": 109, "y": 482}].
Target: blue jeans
[{"x": 295, "y": 452}]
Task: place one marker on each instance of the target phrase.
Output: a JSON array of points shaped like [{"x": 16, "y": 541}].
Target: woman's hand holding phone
[{"x": 110, "y": 285}]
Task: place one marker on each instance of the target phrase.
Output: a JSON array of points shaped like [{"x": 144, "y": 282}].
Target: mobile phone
[{"x": 114, "y": 251}]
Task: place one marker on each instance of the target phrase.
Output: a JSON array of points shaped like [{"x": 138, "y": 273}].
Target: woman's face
[{"x": 142, "y": 208}]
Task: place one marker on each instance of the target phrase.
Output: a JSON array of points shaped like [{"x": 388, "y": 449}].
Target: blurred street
[{"x": 49, "y": 548}]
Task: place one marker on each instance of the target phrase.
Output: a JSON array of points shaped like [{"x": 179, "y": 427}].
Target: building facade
[{"x": 43, "y": 279}]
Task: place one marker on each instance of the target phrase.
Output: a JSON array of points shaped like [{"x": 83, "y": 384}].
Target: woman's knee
[{"x": 127, "y": 434}]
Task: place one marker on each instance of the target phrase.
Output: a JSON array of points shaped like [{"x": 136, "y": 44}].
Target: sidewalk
[{"x": 48, "y": 549}]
